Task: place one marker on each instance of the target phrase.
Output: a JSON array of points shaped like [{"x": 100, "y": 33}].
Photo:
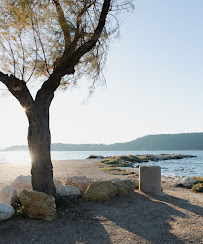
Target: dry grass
[
  {"x": 114, "y": 171},
  {"x": 198, "y": 179},
  {"x": 197, "y": 187}
]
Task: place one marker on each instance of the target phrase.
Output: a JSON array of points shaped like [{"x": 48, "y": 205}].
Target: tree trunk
[{"x": 39, "y": 140}]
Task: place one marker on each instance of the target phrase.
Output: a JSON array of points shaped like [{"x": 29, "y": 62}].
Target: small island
[{"x": 123, "y": 165}]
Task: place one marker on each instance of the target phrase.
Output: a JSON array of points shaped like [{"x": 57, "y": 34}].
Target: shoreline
[{"x": 62, "y": 168}]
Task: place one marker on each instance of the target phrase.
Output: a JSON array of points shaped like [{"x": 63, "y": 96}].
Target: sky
[{"x": 154, "y": 75}]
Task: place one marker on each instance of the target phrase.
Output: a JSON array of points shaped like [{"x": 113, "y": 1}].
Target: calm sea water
[{"x": 181, "y": 167}]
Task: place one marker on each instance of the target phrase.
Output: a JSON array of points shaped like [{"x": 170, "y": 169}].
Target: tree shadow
[
  {"x": 141, "y": 218},
  {"x": 178, "y": 202},
  {"x": 74, "y": 224},
  {"x": 148, "y": 217}
]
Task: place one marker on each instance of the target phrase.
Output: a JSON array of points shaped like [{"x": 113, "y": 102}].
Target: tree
[{"x": 54, "y": 41}]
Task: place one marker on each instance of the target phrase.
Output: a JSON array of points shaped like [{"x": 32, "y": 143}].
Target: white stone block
[{"x": 150, "y": 179}]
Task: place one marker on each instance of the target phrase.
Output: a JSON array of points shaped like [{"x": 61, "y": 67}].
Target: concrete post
[{"x": 150, "y": 179}]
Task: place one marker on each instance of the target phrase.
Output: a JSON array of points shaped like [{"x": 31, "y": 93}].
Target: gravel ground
[{"x": 176, "y": 216}]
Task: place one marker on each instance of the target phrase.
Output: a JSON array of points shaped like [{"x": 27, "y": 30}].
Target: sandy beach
[{"x": 174, "y": 217}]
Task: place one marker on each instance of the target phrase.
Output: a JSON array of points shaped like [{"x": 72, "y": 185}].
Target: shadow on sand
[{"x": 136, "y": 218}]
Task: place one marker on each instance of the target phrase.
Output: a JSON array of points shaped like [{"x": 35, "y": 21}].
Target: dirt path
[{"x": 174, "y": 217}]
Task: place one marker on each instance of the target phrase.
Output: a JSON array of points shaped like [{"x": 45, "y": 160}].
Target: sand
[{"x": 173, "y": 217}]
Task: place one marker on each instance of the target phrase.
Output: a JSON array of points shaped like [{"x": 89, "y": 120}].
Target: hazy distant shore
[{"x": 162, "y": 142}]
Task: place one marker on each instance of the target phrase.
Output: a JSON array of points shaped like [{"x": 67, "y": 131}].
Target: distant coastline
[{"x": 162, "y": 142}]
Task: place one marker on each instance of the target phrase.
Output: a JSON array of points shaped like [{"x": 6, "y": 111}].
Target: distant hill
[{"x": 186, "y": 141}]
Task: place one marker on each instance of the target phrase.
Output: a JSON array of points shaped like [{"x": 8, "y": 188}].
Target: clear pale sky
[{"x": 154, "y": 79}]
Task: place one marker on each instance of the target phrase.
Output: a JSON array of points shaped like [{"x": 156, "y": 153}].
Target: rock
[
  {"x": 186, "y": 182},
  {"x": 57, "y": 182},
  {"x": 68, "y": 191},
  {"x": 38, "y": 205},
  {"x": 177, "y": 182},
  {"x": 95, "y": 157},
  {"x": 161, "y": 157},
  {"x": 80, "y": 181},
  {"x": 129, "y": 164},
  {"x": 22, "y": 182},
  {"x": 8, "y": 195},
  {"x": 6, "y": 211},
  {"x": 124, "y": 186},
  {"x": 100, "y": 191}
]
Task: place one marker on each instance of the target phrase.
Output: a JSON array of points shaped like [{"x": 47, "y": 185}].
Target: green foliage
[
  {"x": 198, "y": 187},
  {"x": 123, "y": 161},
  {"x": 19, "y": 209},
  {"x": 112, "y": 164},
  {"x": 35, "y": 35}
]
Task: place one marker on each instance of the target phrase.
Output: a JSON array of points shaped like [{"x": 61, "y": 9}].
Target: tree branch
[
  {"x": 19, "y": 90},
  {"x": 63, "y": 23},
  {"x": 78, "y": 33},
  {"x": 86, "y": 47},
  {"x": 65, "y": 64}
]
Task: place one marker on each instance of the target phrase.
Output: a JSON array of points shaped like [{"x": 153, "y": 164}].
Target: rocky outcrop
[
  {"x": 22, "y": 182},
  {"x": 6, "y": 211},
  {"x": 38, "y": 205},
  {"x": 8, "y": 195},
  {"x": 124, "y": 186},
  {"x": 100, "y": 191},
  {"x": 68, "y": 191},
  {"x": 186, "y": 182},
  {"x": 80, "y": 181},
  {"x": 95, "y": 157},
  {"x": 130, "y": 160}
]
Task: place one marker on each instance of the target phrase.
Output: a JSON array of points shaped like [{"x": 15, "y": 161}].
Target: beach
[{"x": 176, "y": 216}]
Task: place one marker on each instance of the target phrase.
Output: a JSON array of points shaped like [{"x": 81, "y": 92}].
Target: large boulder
[
  {"x": 186, "y": 182},
  {"x": 22, "y": 182},
  {"x": 38, "y": 205},
  {"x": 124, "y": 186},
  {"x": 68, "y": 191},
  {"x": 8, "y": 195},
  {"x": 100, "y": 191},
  {"x": 6, "y": 211},
  {"x": 80, "y": 181}
]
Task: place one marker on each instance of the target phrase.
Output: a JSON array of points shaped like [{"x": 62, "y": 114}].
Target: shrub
[
  {"x": 198, "y": 179},
  {"x": 19, "y": 209},
  {"x": 198, "y": 187}
]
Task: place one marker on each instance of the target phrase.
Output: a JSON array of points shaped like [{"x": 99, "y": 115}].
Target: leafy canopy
[{"x": 36, "y": 35}]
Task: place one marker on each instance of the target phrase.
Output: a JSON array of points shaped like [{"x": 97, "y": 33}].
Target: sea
[{"x": 172, "y": 168}]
